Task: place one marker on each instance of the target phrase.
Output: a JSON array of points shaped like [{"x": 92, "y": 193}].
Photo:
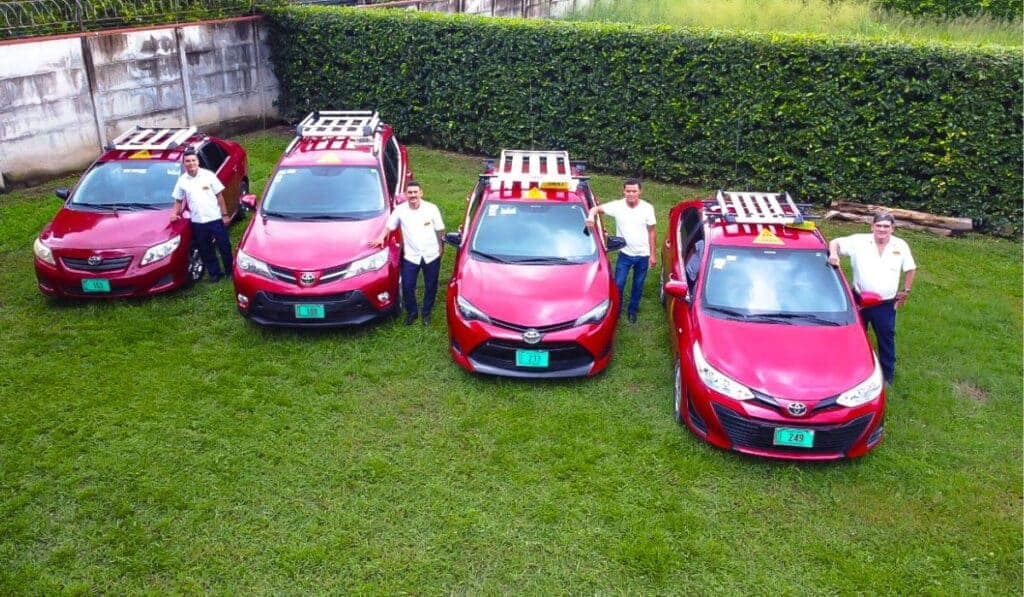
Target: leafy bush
[
  {"x": 1003, "y": 9},
  {"x": 930, "y": 128}
]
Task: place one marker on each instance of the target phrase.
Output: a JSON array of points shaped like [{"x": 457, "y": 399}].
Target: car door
[
  {"x": 687, "y": 231},
  {"x": 216, "y": 158}
]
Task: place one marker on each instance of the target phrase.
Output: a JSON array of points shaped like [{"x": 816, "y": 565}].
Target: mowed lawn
[{"x": 167, "y": 445}]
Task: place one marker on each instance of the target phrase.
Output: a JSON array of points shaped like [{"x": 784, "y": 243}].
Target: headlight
[
  {"x": 158, "y": 252},
  {"x": 43, "y": 253},
  {"x": 718, "y": 381},
  {"x": 468, "y": 311},
  {"x": 865, "y": 391},
  {"x": 370, "y": 263},
  {"x": 252, "y": 265},
  {"x": 594, "y": 315}
]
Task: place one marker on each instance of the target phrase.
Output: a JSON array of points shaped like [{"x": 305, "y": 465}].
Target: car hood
[
  {"x": 534, "y": 295},
  {"x": 793, "y": 362},
  {"x": 75, "y": 229},
  {"x": 310, "y": 245}
]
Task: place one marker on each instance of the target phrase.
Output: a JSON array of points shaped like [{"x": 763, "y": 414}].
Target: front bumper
[{"x": 119, "y": 269}]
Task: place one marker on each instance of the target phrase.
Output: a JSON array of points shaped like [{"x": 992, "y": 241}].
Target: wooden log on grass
[
  {"x": 907, "y": 215},
  {"x": 866, "y": 219}
]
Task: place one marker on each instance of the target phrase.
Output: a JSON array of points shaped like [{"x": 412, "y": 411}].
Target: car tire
[
  {"x": 677, "y": 395},
  {"x": 240, "y": 210},
  {"x": 194, "y": 269}
]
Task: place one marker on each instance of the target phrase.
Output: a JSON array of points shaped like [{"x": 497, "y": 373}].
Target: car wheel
[
  {"x": 677, "y": 395},
  {"x": 240, "y": 210},
  {"x": 195, "y": 266}
]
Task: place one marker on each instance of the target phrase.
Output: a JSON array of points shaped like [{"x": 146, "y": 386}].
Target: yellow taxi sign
[
  {"x": 554, "y": 185},
  {"x": 329, "y": 158},
  {"x": 805, "y": 225},
  {"x": 142, "y": 154},
  {"x": 767, "y": 237},
  {"x": 535, "y": 193}
]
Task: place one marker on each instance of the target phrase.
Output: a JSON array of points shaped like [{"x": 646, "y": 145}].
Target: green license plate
[
  {"x": 309, "y": 311},
  {"x": 96, "y": 285},
  {"x": 798, "y": 438},
  {"x": 531, "y": 358}
]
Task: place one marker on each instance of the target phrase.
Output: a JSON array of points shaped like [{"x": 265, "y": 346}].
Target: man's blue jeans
[{"x": 639, "y": 265}]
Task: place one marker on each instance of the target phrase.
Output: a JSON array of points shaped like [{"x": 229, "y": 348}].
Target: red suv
[
  {"x": 772, "y": 359},
  {"x": 532, "y": 293},
  {"x": 114, "y": 235},
  {"x": 306, "y": 259}
]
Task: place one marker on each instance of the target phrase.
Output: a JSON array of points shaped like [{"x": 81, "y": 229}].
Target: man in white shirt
[
  {"x": 202, "y": 192},
  {"x": 422, "y": 234},
  {"x": 877, "y": 260},
  {"x": 634, "y": 221}
]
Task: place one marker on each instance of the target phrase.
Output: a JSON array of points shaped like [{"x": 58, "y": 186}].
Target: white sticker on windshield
[
  {"x": 718, "y": 263},
  {"x": 288, "y": 171},
  {"x": 508, "y": 211},
  {"x": 175, "y": 171},
  {"x": 730, "y": 258},
  {"x": 134, "y": 170},
  {"x": 492, "y": 210}
]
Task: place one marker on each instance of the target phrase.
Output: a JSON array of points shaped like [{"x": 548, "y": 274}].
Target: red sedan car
[
  {"x": 114, "y": 235},
  {"x": 306, "y": 258},
  {"x": 532, "y": 293},
  {"x": 773, "y": 359}
]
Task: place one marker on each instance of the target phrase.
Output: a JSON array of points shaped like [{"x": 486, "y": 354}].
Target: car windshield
[
  {"x": 535, "y": 232},
  {"x": 130, "y": 184},
  {"x": 325, "y": 192},
  {"x": 775, "y": 285}
]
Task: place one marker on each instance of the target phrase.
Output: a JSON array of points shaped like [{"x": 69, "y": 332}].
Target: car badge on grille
[
  {"x": 797, "y": 409},
  {"x": 307, "y": 278},
  {"x": 531, "y": 336},
  {"x": 95, "y": 260}
]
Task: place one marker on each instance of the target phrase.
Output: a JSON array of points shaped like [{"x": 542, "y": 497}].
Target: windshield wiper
[
  {"x": 277, "y": 214},
  {"x": 489, "y": 256},
  {"x": 106, "y": 206},
  {"x": 342, "y": 217},
  {"x": 542, "y": 260},
  {"x": 794, "y": 317},
  {"x": 727, "y": 311},
  {"x": 143, "y": 205}
]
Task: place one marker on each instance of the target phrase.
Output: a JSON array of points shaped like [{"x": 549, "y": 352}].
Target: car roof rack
[
  {"x": 543, "y": 168},
  {"x": 341, "y": 129},
  {"x": 139, "y": 138},
  {"x": 742, "y": 207}
]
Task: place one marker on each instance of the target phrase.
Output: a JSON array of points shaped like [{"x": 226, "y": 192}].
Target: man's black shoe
[
  {"x": 214, "y": 278},
  {"x": 410, "y": 318},
  {"x": 426, "y": 319},
  {"x": 632, "y": 318}
]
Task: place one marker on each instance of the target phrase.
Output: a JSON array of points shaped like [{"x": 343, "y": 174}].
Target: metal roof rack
[
  {"x": 741, "y": 207},
  {"x": 530, "y": 167},
  {"x": 139, "y": 138},
  {"x": 349, "y": 127}
]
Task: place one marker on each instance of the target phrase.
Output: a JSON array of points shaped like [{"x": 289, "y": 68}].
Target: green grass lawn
[
  {"x": 844, "y": 18},
  {"x": 166, "y": 445}
]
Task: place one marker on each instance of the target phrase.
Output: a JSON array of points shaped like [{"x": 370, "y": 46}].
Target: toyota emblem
[
  {"x": 307, "y": 278},
  {"x": 531, "y": 336},
  {"x": 95, "y": 260},
  {"x": 797, "y": 409}
]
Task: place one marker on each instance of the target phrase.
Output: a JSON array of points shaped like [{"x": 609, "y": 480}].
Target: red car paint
[
  {"x": 532, "y": 307},
  {"x": 794, "y": 368},
  {"x": 304, "y": 256},
  {"x": 117, "y": 238}
]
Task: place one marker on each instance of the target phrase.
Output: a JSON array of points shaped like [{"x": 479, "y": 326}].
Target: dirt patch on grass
[{"x": 966, "y": 389}]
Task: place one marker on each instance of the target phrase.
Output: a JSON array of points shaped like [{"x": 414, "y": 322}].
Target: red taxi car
[
  {"x": 773, "y": 359},
  {"x": 532, "y": 293},
  {"x": 306, "y": 258},
  {"x": 114, "y": 235}
]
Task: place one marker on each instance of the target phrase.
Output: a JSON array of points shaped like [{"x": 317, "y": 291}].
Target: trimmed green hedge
[
  {"x": 1000, "y": 9},
  {"x": 929, "y": 128}
]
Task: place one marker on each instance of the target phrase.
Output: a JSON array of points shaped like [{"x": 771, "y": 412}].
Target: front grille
[
  {"x": 345, "y": 308},
  {"x": 108, "y": 264},
  {"x": 695, "y": 417},
  {"x": 544, "y": 329},
  {"x": 282, "y": 274},
  {"x": 744, "y": 432},
  {"x": 502, "y": 355}
]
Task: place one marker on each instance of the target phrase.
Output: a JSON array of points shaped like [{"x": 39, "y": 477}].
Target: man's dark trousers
[
  {"x": 639, "y": 265},
  {"x": 202, "y": 235},
  {"x": 882, "y": 318},
  {"x": 410, "y": 271}
]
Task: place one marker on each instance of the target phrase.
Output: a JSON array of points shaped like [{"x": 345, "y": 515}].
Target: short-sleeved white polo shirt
[
  {"x": 874, "y": 272},
  {"x": 419, "y": 230},
  {"x": 631, "y": 224},
  {"x": 199, "y": 193}
]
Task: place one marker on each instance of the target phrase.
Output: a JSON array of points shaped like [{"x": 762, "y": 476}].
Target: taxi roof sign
[{"x": 767, "y": 237}]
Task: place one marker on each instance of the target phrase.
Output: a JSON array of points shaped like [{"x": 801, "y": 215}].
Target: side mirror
[
  {"x": 248, "y": 202},
  {"x": 867, "y": 300},
  {"x": 677, "y": 289},
  {"x": 454, "y": 239},
  {"x": 615, "y": 243},
  {"x": 400, "y": 199},
  {"x": 62, "y": 193}
]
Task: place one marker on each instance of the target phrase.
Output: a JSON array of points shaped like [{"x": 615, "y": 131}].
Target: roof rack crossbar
[
  {"x": 525, "y": 168},
  {"x": 742, "y": 207},
  {"x": 359, "y": 125},
  {"x": 139, "y": 138}
]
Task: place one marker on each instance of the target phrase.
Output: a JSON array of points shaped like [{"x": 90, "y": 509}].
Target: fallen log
[
  {"x": 907, "y": 215},
  {"x": 866, "y": 219}
]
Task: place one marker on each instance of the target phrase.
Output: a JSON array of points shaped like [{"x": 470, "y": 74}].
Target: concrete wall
[{"x": 61, "y": 99}]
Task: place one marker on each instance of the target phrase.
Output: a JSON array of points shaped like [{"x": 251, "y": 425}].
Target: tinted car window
[
  {"x": 533, "y": 232},
  {"x": 344, "y": 192},
  {"x": 762, "y": 283},
  {"x": 212, "y": 156},
  {"x": 391, "y": 158},
  {"x": 138, "y": 182}
]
